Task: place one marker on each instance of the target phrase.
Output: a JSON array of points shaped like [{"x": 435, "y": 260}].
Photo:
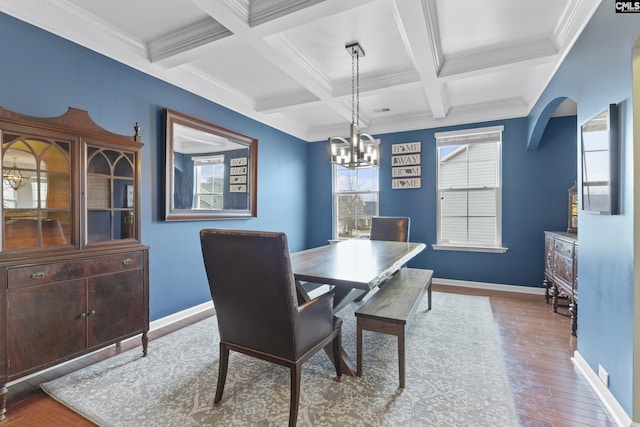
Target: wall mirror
[{"x": 210, "y": 172}]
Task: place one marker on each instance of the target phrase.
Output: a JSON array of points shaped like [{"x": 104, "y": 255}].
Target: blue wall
[
  {"x": 534, "y": 199},
  {"x": 597, "y": 72},
  {"x": 41, "y": 75}
]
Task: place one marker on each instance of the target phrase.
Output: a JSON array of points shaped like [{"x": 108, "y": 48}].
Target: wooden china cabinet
[{"x": 74, "y": 275}]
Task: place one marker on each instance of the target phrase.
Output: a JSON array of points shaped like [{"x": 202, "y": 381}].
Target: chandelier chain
[
  {"x": 358, "y": 87},
  {"x": 353, "y": 85}
]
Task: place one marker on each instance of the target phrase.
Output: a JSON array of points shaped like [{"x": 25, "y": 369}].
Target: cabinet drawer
[
  {"x": 563, "y": 247},
  {"x": 22, "y": 277}
]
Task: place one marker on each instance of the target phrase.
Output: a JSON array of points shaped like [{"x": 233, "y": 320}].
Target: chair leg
[
  {"x": 222, "y": 372},
  {"x": 296, "y": 371},
  {"x": 337, "y": 356}
]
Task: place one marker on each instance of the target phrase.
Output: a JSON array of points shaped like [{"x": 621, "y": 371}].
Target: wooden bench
[{"x": 391, "y": 309}]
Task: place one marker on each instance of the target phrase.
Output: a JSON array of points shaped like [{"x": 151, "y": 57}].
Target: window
[
  {"x": 209, "y": 180},
  {"x": 469, "y": 190},
  {"x": 355, "y": 201}
]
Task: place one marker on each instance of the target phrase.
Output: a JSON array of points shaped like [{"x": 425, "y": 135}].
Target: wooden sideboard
[
  {"x": 561, "y": 272},
  {"x": 74, "y": 276}
]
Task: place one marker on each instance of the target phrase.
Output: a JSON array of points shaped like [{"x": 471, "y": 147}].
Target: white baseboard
[
  {"x": 490, "y": 286},
  {"x": 608, "y": 400},
  {"x": 176, "y": 317}
]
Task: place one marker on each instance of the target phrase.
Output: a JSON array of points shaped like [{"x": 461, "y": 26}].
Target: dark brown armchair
[{"x": 254, "y": 295}]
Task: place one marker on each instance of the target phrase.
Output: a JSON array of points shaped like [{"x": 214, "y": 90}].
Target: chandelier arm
[{"x": 339, "y": 138}]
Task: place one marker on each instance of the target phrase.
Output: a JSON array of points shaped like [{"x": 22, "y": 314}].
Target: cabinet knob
[
  {"x": 83, "y": 315},
  {"x": 127, "y": 261},
  {"x": 38, "y": 275},
  {"x": 91, "y": 313}
]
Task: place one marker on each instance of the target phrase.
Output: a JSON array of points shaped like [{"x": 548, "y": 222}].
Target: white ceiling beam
[
  {"x": 235, "y": 15},
  {"x": 267, "y": 10},
  {"x": 187, "y": 39},
  {"x": 228, "y": 19},
  {"x": 480, "y": 62},
  {"x": 418, "y": 20}
]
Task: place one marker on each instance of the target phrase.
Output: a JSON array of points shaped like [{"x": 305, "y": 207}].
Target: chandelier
[
  {"x": 360, "y": 150},
  {"x": 14, "y": 178}
]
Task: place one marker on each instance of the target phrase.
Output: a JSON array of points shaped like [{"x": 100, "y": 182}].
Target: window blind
[{"x": 469, "y": 187}]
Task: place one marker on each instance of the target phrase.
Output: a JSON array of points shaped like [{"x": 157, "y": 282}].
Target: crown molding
[
  {"x": 187, "y": 38},
  {"x": 68, "y": 21},
  {"x": 267, "y": 10}
]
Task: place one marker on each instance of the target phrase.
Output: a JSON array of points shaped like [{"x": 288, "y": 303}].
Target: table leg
[{"x": 342, "y": 297}]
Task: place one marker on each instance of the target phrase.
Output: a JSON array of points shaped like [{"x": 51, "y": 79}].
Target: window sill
[{"x": 468, "y": 248}]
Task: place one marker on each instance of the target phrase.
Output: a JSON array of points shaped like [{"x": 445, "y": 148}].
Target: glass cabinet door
[
  {"x": 110, "y": 195},
  {"x": 36, "y": 192}
]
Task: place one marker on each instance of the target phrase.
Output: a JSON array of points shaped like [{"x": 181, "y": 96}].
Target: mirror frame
[{"x": 171, "y": 118}]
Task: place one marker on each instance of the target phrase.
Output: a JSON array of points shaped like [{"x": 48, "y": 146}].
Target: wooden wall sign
[
  {"x": 405, "y": 162},
  {"x": 238, "y": 175}
]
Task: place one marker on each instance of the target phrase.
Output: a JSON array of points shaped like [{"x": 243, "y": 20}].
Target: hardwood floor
[
  {"x": 548, "y": 390},
  {"x": 537, "y": 345}
]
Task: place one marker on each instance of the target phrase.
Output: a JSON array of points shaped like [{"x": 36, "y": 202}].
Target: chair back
[
  {"x": 390, "y": 228},
  {"x": 252, "y": 288}
]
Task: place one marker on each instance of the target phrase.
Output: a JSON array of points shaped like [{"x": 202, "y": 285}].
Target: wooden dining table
[{"x": 351, "y": 267}]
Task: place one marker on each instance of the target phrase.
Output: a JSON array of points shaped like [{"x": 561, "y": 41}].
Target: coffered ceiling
[{"x": 427, "y": 63}]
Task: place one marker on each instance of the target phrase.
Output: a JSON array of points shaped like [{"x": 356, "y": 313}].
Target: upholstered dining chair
[
  {"x": 254, "y": 295},
  {"x": 388, "y": 228}
]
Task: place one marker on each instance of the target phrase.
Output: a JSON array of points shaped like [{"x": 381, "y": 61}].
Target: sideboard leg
[
  {"x": 547, "y": 285},
  {"x": 573, "y": 309},
  {"x": 145, "y": 344},
  {"x": 554, "y": 297}
]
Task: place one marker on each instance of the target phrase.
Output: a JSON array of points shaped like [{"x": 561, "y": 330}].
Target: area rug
[{"x": 455, "y": 376}]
